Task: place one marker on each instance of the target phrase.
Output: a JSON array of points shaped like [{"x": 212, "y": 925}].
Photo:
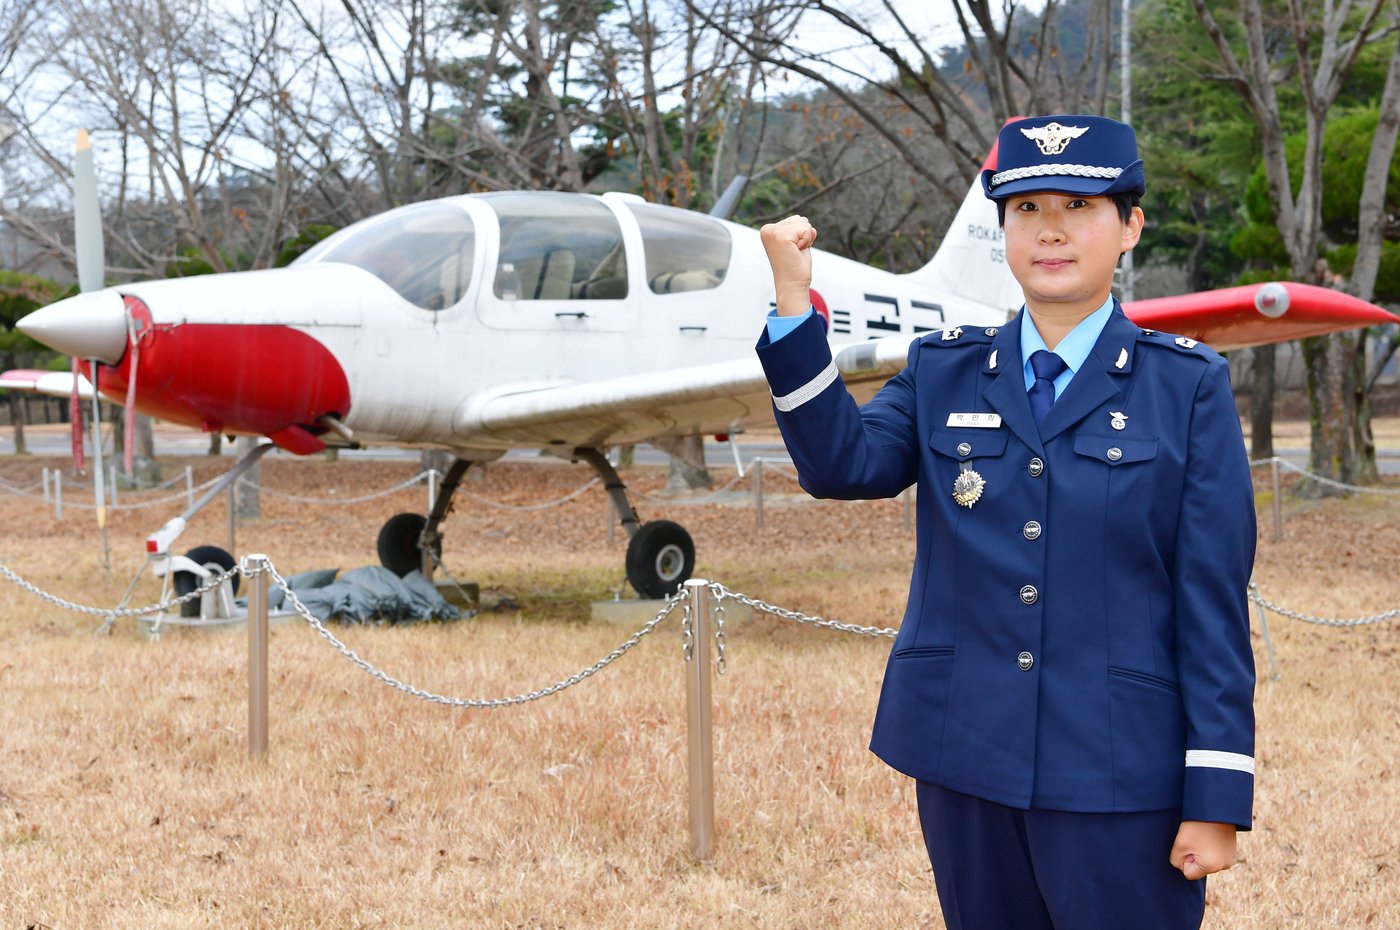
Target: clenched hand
[{"x": 788, "y": 244}]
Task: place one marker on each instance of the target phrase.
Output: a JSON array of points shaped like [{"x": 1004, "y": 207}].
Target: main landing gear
[{"x": 660, "y": 553}]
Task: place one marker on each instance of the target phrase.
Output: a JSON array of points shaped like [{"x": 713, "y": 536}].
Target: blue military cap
[{"x": 1070, "y": 154}]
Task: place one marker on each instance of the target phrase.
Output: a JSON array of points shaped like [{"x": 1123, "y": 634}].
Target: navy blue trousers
[{"x": 1000, "y": 868}]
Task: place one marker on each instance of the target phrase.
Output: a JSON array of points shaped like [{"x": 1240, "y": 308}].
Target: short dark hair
[{"x": 1123, "y": 200}]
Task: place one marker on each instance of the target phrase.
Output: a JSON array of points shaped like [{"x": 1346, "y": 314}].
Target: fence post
[
  {"x": 1268, "y": 640},
  {"x": 432, "y": 489},
  {"x": 1278, "y": 504},
  {"x": 699, "y": 721},
  {"x": 757, "y": 470},
  {"x": 257, "y": 658},
  {"x": 189, "y": 485},
  {"x": 45, "y": 473},
  {"x": 58, "y": 494}
]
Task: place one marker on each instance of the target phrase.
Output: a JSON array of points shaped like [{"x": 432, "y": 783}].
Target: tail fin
[{"x": 971, "y": 261}]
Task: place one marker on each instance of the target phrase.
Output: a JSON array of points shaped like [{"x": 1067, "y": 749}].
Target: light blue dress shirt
[
  {"x": 780, "y": 326},
  {"x": 1073, "y": 349}
]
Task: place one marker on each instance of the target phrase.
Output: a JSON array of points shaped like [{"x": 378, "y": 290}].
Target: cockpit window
[
  {"x": 557, "y": 246},
  {"x": 684, "y": 251},
  {"x": 423, "y": 251}
]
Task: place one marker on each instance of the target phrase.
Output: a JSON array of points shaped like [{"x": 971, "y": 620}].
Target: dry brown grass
[{"x": 126, "y": 799}]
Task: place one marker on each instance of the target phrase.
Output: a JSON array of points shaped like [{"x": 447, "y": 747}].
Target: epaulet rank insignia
[
  {"x": 963, "y": 336},
  {"x": 1185, "y": 342}
]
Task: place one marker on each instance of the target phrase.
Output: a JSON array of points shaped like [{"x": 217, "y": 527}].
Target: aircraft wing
[
  {"x": 715, "y": 398},
  {"x": 1256, "y": 314},
  {"x": 52, "y": 383}
]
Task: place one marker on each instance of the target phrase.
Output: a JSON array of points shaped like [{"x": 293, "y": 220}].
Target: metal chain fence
[
  {"x": 718, "y": 591},
  {"x": 358, "y": 499},
  {"x": 1259, "y": 599},
  {"x": 1323, "y": 479},
  {"x": 480, "y": 703}
]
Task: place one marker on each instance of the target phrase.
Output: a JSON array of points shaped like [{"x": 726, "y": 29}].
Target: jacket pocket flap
[
  {"x": 1114, "y": 451},
  {"x": 968, "y": 443}
]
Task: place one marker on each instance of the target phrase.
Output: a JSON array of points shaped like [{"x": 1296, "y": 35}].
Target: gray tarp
[{"x": 371, "y": 593}]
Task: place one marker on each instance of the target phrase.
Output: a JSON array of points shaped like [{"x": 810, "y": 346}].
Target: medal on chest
[{"x": 967, "y": 487}]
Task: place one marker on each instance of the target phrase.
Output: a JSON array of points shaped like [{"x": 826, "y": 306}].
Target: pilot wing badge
[{"x": 1052, "y": 138}]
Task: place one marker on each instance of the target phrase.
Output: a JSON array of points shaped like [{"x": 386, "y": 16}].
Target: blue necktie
[{"x": 1047, "y": 367}]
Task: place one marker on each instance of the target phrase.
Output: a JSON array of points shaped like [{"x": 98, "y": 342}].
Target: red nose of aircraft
[{"x": 264, "y": 379}]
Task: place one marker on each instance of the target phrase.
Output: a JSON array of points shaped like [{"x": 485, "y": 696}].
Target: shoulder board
[
  {"x": 961, "y": 335},
  {"x": 1183, "y": 344}
]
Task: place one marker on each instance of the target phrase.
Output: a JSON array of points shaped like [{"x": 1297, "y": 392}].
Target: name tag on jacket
[{"x": 978, "y": 420}]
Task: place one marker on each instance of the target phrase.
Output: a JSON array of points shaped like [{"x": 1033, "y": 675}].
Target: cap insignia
[{"x": 1052, "y": 138}]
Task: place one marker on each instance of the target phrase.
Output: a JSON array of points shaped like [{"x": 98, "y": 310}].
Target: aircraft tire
[
  {"x": 660, "y": 558},
  {"x": 398, "y": 543},
  {"x": 211, "y": 557}
]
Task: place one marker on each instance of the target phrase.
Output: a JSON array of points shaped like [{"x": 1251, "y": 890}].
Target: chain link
[
  {"x": 707, "y": 498},
  {"x": 721, "y": 593},
  {"x": 687, "y": 633},
  {"x": 545, "y": 505},
  {"x": 110, "y": 613},
  {"x": 372, "y": 496},
  {"x": 719, "y": 635},
  {"x": 1259, "y": 599},
  {"x": 429, "y": 696},
  {"x": 1321, "y": 479}
]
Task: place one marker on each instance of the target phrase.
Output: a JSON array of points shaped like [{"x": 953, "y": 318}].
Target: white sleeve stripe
[
  {"x": 790, "y": 402},
  {"x": 1215, "y": 759}
]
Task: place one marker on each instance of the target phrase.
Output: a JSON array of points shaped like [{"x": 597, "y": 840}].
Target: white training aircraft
[{"x": 564, "y": 322}]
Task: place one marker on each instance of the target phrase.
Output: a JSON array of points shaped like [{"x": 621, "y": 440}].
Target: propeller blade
[
  {"x": 129, "y": 432},
  {"x": 729, "y": 201},
  {"x": 75, "y": 416},
  {"x": 87, "y": 218}
]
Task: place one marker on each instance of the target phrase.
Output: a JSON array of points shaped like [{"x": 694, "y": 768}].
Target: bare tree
[
  {"x": 1326, "y": 44},
  {"x": 963, "y": 117}
]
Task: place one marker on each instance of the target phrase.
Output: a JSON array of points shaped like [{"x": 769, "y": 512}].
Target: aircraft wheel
[
  {"x": 398, "y": 543},
  {"x": 211, "y": 557},
  {"x": 660, "y": 558}
]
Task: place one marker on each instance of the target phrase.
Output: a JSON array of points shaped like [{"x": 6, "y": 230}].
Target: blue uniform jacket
[{"x": 1078, "y": 638}]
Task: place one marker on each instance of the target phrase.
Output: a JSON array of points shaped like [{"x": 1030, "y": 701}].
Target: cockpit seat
[
  {"x": 674, "y": 282},
  {"x": 549, "y": 276}
]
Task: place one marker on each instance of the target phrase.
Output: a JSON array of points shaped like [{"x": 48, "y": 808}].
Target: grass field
[{"x": 127, "y": 799}]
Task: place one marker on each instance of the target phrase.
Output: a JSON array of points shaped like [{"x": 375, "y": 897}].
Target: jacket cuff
[
  {"x": 799, "y": 360},
  {"x": 1219, "y": 794}
]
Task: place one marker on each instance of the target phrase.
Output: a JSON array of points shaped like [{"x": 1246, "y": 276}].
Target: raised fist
[{"x": 788, "y": 244}]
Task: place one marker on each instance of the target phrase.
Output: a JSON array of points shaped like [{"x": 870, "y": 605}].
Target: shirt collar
[{"x": 1077, "y": 344}]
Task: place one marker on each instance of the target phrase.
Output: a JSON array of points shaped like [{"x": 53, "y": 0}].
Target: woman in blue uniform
[{"x": 1072, "y": 684}]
